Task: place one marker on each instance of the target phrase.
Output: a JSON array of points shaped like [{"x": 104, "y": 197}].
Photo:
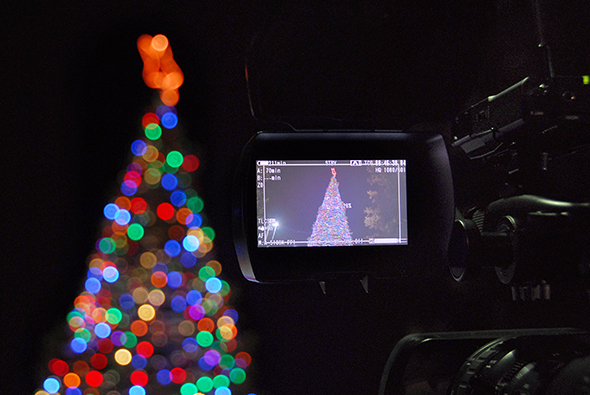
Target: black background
[{"x": 71, "y": 101}]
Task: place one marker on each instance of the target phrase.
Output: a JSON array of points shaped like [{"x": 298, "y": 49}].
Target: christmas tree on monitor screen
[{"x": 331, "y": 225}]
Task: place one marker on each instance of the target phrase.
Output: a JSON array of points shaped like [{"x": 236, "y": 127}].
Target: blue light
[
  {"x": 169, "y": 120},
  {"x": 73, "y": 391},
  {"x": 232, "y": 314},
  {"x": 78, "y": 345},
  {"x": 126, "y": 301},
  {"x": 102, "y": 330},
  {"x": 94, "y": 272},
  {"x": 163, "y": 110},
  {"x": 188, "y": 260},
  {"x": 172, "y": 248},
  {"x": 92, "y": 285},
  {"x": 136, "y": 390},
  {"x": 163, "y": 377},
  {"x": 174, "y": 279},
  {"x": 204, "y": 365},
  {"x": 190, "y": 344},
  {"x": 194, "y": 297},
  {"x": 222, "y": 391},
  {"x": 194, "y": 220},
  {"x": 178, "y": 198},
  {"x": 128, "y": 188},
  {"x": 110, "y": 274},
  {"x": 123, "y": 217},
  {"x": 110, "y": 210},
  {"x": 138, "y": 147},
  {"x": 160, "y": 267},
  {"x": 169, "y": 182},
  {"x": 51, "y": 385},
  {"x": 213, "y": 285},
  {"x": 191, "y": 243},
  {"x": 139, "y": 361},
  {"x": 178, "y": 304}
]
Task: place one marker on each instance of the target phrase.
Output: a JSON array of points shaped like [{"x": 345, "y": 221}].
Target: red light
[
  {"x": 93, "y": 378},
  {"x": 138, "y": 205},
  {"x": 165, "y": 211},
  {"x": 145, "y": 349},
  {"x": 178, "y": 375},
  {"x": 99, "y": 361},
  {"x": 190, "y": 163},
  {"x": 139, "y": 377}
]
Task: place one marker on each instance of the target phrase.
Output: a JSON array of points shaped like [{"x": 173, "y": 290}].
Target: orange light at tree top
[{"x": 160, "y": 71}]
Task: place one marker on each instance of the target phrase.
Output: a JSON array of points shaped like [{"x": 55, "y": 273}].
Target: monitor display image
[{"x": 326, "y": 203}]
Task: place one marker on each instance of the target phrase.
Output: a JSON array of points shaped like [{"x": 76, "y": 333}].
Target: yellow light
[
  {"x": 148, "y": 260},
  {"x": 146, "y": 312},
  {"x": 123, "y": 357},
  {"x": 157, "y": 298},
  {"x": 140, "y": 295}
]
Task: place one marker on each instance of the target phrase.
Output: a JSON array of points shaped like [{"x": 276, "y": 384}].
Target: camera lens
[{"x": 525, "y": 365}]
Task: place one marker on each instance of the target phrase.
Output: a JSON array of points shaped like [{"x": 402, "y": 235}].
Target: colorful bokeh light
[{"x": 154, "y": 315}]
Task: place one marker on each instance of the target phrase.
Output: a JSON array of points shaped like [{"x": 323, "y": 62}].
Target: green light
[
  {"x": 107, "y": 245},
  {"x": 131, "y": 340},
  {"x": 188, "y": 389},
  {"x": 204, "y": 338},
  {"x": 209, "y": 232},
  {"x": 220, "y": 381},
  {"x": 135, "y": 232},
  {"x": 237, "y": 375},
  {"x": 586, "y": 79},
  {"x": 206, "y": 273},
  {"x": 195, "y": 204},
  {"x": 153, "y": 131},
  {"x": 83, "y": 334},
  {"x": 205, "y": 384},
  {"x": 226, "y": 361},
  {"x": 114, "y": 316},
  {"x": 174, "y": 159}
]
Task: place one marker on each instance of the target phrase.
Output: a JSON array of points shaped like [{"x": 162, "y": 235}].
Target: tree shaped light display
[
  {"x": 154, "y": 315},
  {"x": 331, "y": 225}
]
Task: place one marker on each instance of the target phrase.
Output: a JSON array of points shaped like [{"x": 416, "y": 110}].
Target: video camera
[{"x": 294, "y": 221}]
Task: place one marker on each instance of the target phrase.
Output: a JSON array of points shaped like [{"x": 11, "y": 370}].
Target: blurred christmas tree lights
[{"x": 154, "y": 316}]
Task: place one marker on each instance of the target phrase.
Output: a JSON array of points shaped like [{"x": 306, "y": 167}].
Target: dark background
[{"x": 71, "y": 101}]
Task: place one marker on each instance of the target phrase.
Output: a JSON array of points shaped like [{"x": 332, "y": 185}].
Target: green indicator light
[
  {"x": 586, "y": 79},
  {"x": 135, "y": 232},
  {"x": 174, "y": 159},
  {"x": 114, "y": 316},
  {"x": 205, "y": 384},
  {"x": 204, "y": 338},
  {"x": 153, "y": 131}
]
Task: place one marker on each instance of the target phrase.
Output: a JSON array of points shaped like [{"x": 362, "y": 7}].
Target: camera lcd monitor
[{"x": 328, "y": 203}]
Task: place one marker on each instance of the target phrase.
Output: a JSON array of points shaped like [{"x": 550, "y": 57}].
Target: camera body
[{"x": 314, "y": 205}]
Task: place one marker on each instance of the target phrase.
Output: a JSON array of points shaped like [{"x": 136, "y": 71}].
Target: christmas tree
[
  {"x": 331, "y": 224},
  {"x": 154, "y": 316}
]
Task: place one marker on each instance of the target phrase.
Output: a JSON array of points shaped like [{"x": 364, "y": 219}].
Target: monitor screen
[{"x": 324, "y": 203}]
